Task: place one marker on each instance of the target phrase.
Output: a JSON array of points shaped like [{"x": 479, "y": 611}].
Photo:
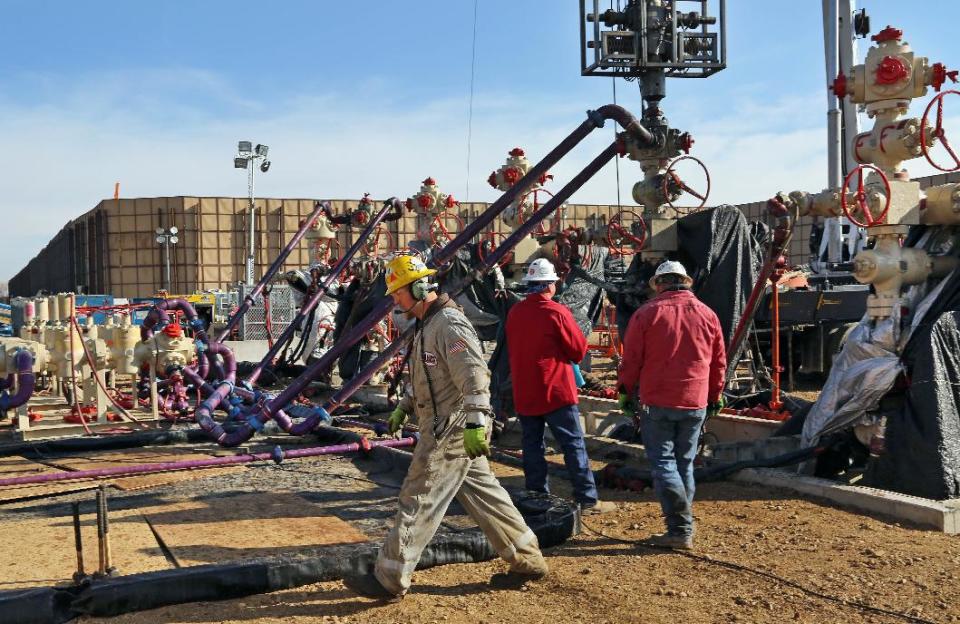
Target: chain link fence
[{"x": 283, "y": 309}]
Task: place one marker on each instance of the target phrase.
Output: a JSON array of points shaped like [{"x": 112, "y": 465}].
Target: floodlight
[
  {"x": 159, "y": 230},
  {"x": 240, "y": 163},
  {"x": 161, "y": 238},
  {"x": 244, "y": 147},
  {"x": 265, "y": 166},
  {"x": 262, "y": 150},
  {"x": 174, "y": 240},
  {"x": 173, "y": 229}
]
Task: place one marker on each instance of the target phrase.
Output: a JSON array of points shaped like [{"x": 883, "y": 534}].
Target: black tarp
[
  {"x": 922, "y": 455},
  {"x": 355, "y": 303},
  {"x": 584, "y": 298}
]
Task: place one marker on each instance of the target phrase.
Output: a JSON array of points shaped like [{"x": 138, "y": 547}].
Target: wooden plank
[{"x": 21, "y": 467}]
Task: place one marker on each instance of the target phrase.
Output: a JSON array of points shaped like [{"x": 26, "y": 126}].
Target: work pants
[
  {"x": 670, "y": 437},
  {"x": 439, "y": 471},
  {"x": 564, "y": 424}
]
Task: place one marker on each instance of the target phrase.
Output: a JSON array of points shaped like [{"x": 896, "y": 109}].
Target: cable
[
  {"x": 616, "y": 161},
  {"x": 473, "y": 68},
  {"x": 737, "y": 567}
]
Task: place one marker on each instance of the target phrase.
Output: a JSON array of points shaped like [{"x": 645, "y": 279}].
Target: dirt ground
[{"x": 601, "y": 580}]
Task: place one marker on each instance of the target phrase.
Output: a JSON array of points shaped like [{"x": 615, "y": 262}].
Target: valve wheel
[
  {"x": 324, "y": 250},
  {"x": 439, "y": 228},
  {"x": 555, "y": 223},
  {"x": 938, "y": 132},
  {"x": 488, "y": 243},
  {"x": 671, "y": 175},
  {"x": 860, "y": 196},
  {"x": 373, "y": 246},
  {"x": 628, "y": 243}
]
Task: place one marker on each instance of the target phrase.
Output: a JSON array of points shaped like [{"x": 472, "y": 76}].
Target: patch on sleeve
[{"x": 457, "y": 347}]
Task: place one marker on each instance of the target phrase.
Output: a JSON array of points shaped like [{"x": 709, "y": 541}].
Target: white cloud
[{"x": 145, "y": 131}]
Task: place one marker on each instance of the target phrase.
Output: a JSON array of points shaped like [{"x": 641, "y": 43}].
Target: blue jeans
[
  {"x": 564, "y": 423},
  {"x": 670, "y": 437}
]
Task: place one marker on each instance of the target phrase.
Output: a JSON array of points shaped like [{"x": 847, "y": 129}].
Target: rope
[
  {"x": 737, "y": 567},
  {"x": 473, "y": 68}
]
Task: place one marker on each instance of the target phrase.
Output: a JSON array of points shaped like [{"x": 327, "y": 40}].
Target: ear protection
[{"x": 420, "y": 288}]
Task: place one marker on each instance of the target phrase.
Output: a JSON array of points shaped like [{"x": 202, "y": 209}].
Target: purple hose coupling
[{"x": 23, "y": 362}]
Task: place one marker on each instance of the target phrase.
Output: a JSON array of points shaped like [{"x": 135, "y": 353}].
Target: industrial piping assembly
[
  {"x": 903, "y": 272},
  {"x": 268, "y": 408},
  {"x": 886, "y": 201}
]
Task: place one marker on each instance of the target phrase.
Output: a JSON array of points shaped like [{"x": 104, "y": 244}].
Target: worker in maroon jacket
[
  {"x": 544, "y": 342},
  {"x": 674, "y": 355}
]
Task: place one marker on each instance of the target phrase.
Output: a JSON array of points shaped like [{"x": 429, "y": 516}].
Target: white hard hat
[
  {"x": 670, "y": 267},
  {"x": 540, "y": 270}
]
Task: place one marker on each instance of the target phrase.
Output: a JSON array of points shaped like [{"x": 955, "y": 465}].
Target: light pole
[
  {"x": 166, "y": 238},
  {"x": 247, "y": 158}
]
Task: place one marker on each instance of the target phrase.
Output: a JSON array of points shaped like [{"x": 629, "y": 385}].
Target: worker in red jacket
[
  {"x": 544, "y": 343},
  {"x": 674, "y": 361}
]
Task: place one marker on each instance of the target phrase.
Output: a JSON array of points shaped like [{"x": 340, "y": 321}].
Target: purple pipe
[
  {"x": 193, "y": 464},
  {"x": 156, "y": 313},
  {"x": 229, "y": 360},
  {"x": 250, "y": 299},
  {"x": 595, "y": 119},
  {"x": 311, "y": 422},
  {"x": 23, "y": 361},
  {"x": 307, "y": 307}
]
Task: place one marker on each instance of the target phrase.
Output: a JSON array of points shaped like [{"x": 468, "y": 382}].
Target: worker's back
[
  {"x": 542, "y": 340},
  {"x": 674, "y": 349}
]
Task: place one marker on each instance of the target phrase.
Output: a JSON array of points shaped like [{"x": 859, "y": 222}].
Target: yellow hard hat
[{"x": 404, "y": 270}]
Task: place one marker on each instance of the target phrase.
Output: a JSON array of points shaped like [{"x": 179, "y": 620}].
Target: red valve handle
[
  {"x": 489, "y": 243},
  {"x": 616, "y": 230},
  {"x": 938, "y": 131},
  {"x": 372, "y": 246},
  {"x": 669, "y": 174},
  {"x": 540, "y": 230},
  {"x": 861, "y": 198},
  {"x": 438, "y": 222}
]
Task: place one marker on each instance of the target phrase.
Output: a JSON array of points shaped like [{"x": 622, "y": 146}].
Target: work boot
[
  {"x": 673, "y": 542},
  {"x": 599, "y": 507},
  {"x": 367, "y": 585},
  {"x": 515, "y": 579}
]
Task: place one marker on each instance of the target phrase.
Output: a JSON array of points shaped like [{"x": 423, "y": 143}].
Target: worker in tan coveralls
[{"x": 450, "y": 398}]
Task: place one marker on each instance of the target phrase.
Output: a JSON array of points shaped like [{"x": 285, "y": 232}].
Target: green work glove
[
  {"x": 714, "y": 408},
  {"x": 475, "y": 441},
  {"x": 396, "y": 420},
  {"x": 627, "y": 404}
]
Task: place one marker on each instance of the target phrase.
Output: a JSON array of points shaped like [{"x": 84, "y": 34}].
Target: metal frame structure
[{"x": 634, "y": 59}]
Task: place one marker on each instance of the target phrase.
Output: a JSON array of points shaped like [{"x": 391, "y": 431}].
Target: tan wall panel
[{"x": 124, "y": 208}]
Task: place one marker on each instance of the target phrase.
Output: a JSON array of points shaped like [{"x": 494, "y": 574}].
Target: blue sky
[{"x": 373, "y": 97}]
